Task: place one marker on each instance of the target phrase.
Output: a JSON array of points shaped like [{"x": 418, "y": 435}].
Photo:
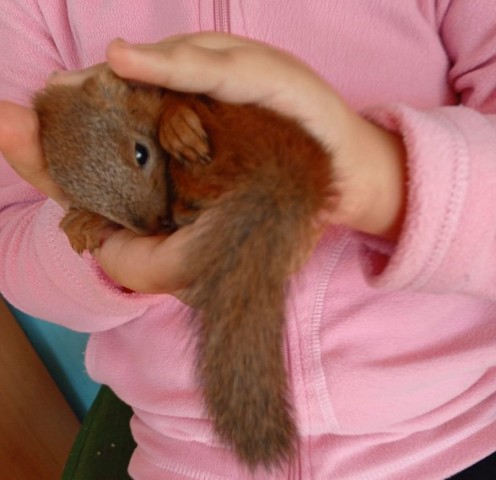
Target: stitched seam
[
  {"x": 453, "y": 210},
  {"x": 179, "y": 468},
  {"x": 316, "y": 320}
]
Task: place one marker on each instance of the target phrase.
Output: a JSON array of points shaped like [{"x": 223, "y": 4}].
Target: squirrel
[{"x": 148, "y": 158}]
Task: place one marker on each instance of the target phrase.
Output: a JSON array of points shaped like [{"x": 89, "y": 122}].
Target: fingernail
[
  {"x": 51, "y": 78},
  {"x": 59, "y": 76},
  {"x": 60, "y": 73},
  {"x": 121, "y": 42}
]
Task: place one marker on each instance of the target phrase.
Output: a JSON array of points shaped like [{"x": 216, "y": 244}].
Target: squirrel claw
[
  {"x": 182, "y": 135},
  {"x": 84, "y": 229}
]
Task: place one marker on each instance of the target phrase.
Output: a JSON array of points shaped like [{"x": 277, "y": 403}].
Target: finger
[
  {"x": 19, "y": 143},
  {"x": 144, "y": 264},
  {"x": 232, "y": 69},
  {"x": 212, "y": 40},
  {"x": 226, "y": 67},
  {"x": 175, "y": 65},
  {"x": 196, "y": 66}
]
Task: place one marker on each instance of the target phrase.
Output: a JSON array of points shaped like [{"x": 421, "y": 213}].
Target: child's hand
[
  {"x": 19, "y": 144},
  {"x": 146, "y": 264},
  {"x": 20, "y": 139},
  {"x": 368, "y": 161}
]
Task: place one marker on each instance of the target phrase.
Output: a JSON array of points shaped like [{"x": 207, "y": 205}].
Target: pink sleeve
[
  {"x": 39, "y": 273},
  {"x": 448, "y": 243}
]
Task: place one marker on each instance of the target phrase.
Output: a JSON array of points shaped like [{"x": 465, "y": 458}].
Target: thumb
[{"x": 20, "y": 145}]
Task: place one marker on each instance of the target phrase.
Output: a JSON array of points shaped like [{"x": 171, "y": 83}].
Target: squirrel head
[{"x": 100, "y": 140}]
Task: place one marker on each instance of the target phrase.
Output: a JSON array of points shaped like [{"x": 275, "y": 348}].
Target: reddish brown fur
[{"x": 263, "y": 182}]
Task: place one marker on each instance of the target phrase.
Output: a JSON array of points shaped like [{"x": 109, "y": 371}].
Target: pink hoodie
[{"x": 391, "y": 349}]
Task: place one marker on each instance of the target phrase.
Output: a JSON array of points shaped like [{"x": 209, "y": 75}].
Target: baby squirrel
[{"x": 144, "y": 157}]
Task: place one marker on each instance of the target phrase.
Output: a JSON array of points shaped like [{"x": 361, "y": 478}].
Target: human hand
[
  {"x": 368, "y": 161},
  {"x": 20, "y": 146},
  {"x": 131, "y": 260},
  {"x": 20, "y": 139}
]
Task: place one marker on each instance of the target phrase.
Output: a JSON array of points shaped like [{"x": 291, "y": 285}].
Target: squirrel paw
[
  {"x": 182, "y": 135},
  {"x": 84, "y": 229}
]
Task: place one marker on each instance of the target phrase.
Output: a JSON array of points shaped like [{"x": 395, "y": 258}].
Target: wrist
[{"x": 374, "y": 193}]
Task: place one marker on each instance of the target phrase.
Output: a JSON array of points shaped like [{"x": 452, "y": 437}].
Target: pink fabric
[{"x": 392, "y": 348}]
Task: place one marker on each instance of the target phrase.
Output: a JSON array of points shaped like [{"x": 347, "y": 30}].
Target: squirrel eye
[{"x": 141, "y": 154}]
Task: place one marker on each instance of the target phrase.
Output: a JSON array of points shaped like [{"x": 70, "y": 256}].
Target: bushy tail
[{"x": 241, "y": 260}]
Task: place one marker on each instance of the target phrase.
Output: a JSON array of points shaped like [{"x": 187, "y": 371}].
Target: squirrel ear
[
  {"x": 105, "y": 86},
  {"x": 91, "y": 85}
]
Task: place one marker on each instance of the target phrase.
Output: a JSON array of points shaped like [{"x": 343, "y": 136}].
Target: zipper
[{"x": 221, "y": 16}]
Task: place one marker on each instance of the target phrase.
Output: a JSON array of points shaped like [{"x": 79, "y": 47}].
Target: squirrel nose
[{"x": 168, "y": 225}]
